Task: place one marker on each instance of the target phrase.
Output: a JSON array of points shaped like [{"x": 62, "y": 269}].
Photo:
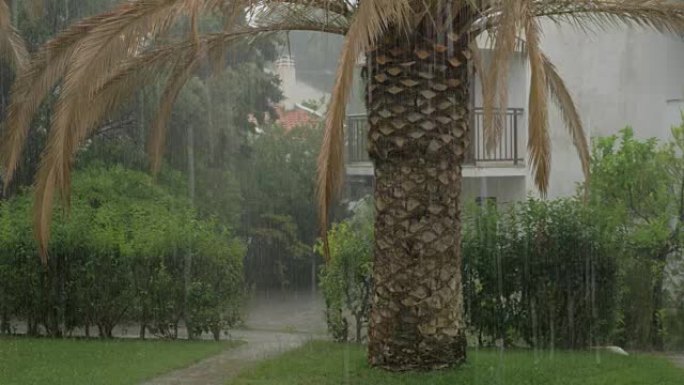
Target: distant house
[
  {"x": 292, "y": 110},
  {"x": 299, "y": 115}
]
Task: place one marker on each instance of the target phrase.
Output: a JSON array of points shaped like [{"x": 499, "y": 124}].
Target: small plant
[{"x": 346, "y": 278}]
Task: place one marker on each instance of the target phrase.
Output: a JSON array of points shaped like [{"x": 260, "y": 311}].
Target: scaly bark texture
[{"x": 418, "y": 100}]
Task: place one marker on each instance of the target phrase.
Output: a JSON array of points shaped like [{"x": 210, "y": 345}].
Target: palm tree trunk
[{"x": 418, "y": 104}]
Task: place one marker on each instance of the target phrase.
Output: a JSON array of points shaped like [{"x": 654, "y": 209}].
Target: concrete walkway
[
  {"x": 217, "y": 370},
  {"x": 275, "y": 324},
  {"x": 678, "y": 360}
]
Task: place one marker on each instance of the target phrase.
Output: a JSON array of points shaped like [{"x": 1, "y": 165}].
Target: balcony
[{"x": 506, "y": 154}]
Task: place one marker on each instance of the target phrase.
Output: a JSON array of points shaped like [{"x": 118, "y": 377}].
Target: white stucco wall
[
  {"x": 504, "y": 189},
  {"x": 618, "y": 78}
]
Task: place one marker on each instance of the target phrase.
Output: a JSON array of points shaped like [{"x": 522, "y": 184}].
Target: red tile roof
[{"x": 295, "y": 118}]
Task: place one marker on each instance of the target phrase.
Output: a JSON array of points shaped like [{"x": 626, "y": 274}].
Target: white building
[{"x": 618, "y": 78}]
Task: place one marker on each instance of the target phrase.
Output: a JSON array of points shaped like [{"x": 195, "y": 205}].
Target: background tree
[
  {"x": 639, "y": 187},
  {"x": 278, "y": 188}
]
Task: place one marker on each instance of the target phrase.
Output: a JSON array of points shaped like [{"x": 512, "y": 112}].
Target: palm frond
[
  {"x": 665, "y": 16},
  {"x": 124, "y": 79},
  {"x": 12, "y": 46},
  {"x": 495, "y": 89},
  {"x": 96, "y": 53},
  {"x": 177, "y": 79},
  {"x": 106, "y": 99},
  {"x": 32, "y": 86},
  {"x": 180, "y": 75},
  {"x": 566, "y": 106},
  {"x": 42, "y": 207},
  {"x": 373, "y": 18},
  {"x": 539, "y": 142},
  {"x": 82, "y": 57}
]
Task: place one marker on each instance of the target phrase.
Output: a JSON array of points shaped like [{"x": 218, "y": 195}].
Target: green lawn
[
  {"x": 26, "y": 361},
  {"x": 322, "y": 363}
]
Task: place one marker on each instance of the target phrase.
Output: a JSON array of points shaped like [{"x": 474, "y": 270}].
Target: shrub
[
  {"x": 541, "y": 272},
  {"x": 346, "y": 278},
  {"x": 122, "y": 252}
]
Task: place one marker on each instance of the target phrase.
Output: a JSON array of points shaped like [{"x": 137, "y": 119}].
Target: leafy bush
[
  {"x": 346, "y": 278},
  {"x": 541, "y": 272},
  {"x": 121, "y": 252},
  {"x": 637, "y": 190}
]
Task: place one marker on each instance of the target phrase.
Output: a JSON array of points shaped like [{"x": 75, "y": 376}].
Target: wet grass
[
  {"x": 323, "y": 363},
  {"x": 28, "y": 361}
]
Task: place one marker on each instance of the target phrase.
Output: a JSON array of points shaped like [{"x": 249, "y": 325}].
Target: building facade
[{"x": 618, "y": 78}]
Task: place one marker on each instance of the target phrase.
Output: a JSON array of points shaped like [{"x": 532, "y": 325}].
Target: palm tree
[{"x": 419, "y": 54}]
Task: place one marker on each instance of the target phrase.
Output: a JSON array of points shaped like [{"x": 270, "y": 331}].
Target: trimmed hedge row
[{"x": 125, "y": 251}]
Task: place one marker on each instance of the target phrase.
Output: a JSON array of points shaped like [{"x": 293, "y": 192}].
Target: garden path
[{"x": 275, "y": 323}]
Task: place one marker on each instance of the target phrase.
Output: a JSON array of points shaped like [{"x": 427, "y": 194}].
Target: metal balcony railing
[{"x": 506, "y": 151}]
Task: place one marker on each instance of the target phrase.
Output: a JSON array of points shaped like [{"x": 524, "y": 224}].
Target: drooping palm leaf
[
  {"x": 495, "y": 95},
  {"x": 561, "y": 97},
  {"x": 539, "y": 142},
  {"x": 661, "y": 15},
  {"x": 32, "y": 86},
  {"x": 12, "y": 46}
]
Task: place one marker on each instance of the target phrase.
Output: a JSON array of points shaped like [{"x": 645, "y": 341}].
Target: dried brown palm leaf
[
  {"x": 665, "y": 16},
  {"x": 180, "y": 75},
  {"x": 48, "y": 178},
  {"x": 125, "y": 80},
  {"x": 107, "y": 99},
  {"x": 105, "y": 44},
  {"x": 373, "y": 19},
  {"x": 539, "y": 142},
  {"x": 566, "y": 106},
  {"x": 12, "y": 46},
  {"x": 43, "y": 73},
  {"x": 495, "y": 90},
  {"x": 57, "y": 59},
  {"x": 82, "y": 56},
  {"x": 42, "y": 207}
]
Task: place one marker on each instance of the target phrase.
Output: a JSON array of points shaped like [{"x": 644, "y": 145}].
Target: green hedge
[
  {"x": 539, "y": 273},
  {"x": 123, "y": 251}
]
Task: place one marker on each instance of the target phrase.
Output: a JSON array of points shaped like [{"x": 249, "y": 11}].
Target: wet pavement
[{"x": 275, "y": 323}]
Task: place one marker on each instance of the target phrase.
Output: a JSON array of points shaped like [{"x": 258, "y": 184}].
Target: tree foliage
[
  {"x": 637, "y": 189},
  {"x": 279, "y": 213},
  {"x": 346, "y": 276}
]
